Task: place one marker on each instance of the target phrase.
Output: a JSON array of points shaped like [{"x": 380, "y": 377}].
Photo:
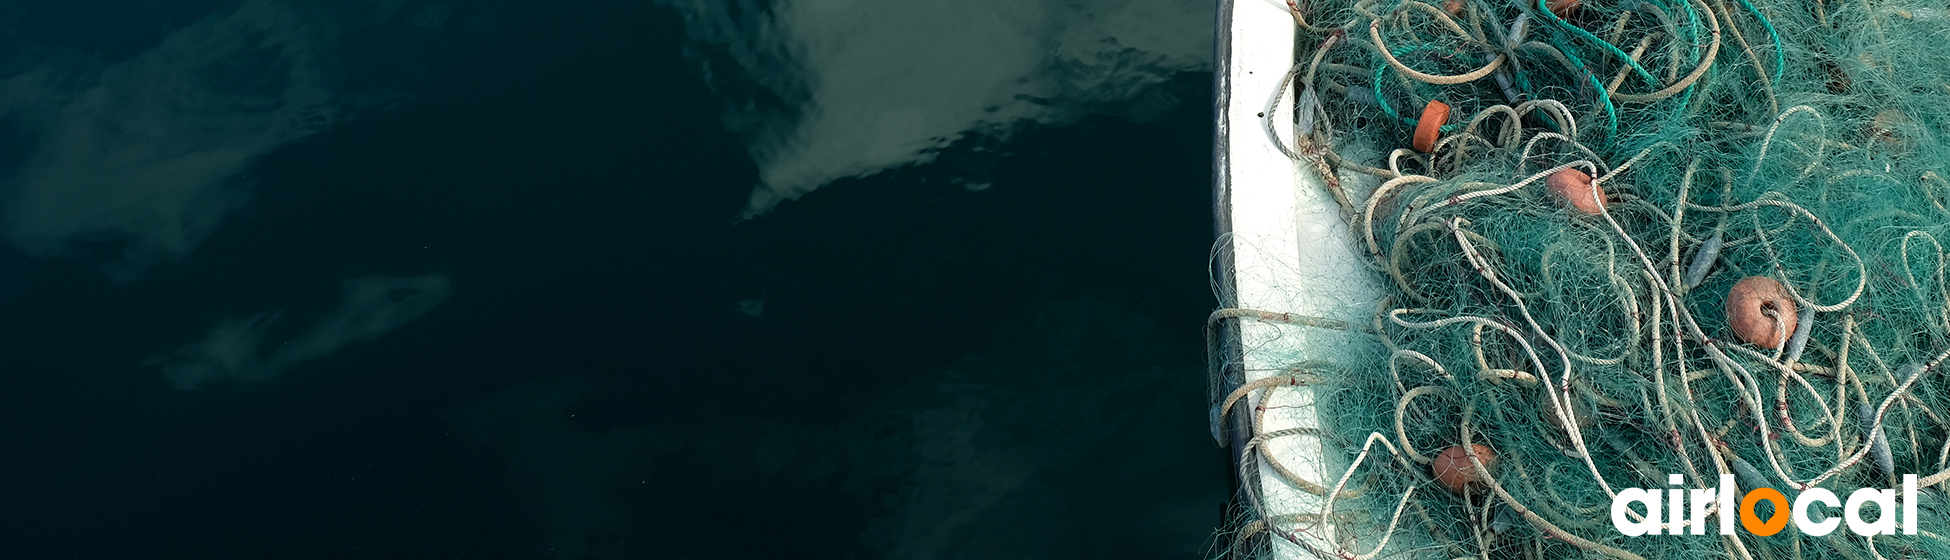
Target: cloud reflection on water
[
  {"x": 373, "y": 305},
  {"x": 135, "y": 163},
  {"x": 848, "y": 89}
]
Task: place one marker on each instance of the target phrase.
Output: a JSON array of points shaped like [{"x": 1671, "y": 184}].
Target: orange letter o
[{"x": 1753, "y": 523}]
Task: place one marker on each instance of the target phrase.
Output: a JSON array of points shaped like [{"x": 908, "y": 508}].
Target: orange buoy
[
  {"x": 1562, "y": 8},
  {"x": 1760, "y": 311},
  {"x": 1574, "y": 188},
  {"x": 1838, "y": 80},
  {"x": 1454, "y": 7},
  {"x": 1886, "y": 127},
  {"x": 1455, "y": 472},
  {"x": 1429, "y": 127}
]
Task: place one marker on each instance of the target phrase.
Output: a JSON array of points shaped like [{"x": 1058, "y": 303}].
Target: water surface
[{"x": 592, "y": 279}]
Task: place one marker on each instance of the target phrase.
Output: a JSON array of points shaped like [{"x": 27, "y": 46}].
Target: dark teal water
[{"x": 504, "y": 310}]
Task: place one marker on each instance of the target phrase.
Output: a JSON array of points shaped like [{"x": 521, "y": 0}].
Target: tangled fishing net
[{"x": 1620, "y": 240}]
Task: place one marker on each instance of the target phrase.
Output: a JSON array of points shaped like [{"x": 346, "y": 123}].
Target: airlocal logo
[{"x": 1676, "y": 519}]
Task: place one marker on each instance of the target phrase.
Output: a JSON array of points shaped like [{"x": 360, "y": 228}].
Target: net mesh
[{"x": 1584, "y": 336}]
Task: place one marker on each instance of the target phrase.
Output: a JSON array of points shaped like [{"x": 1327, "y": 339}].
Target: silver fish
[
  {"x": 1749, "y": 476},
  {"x": 1878, "y": 444},
  {"x": 1703, "y": 260},
  {"x": 1799, "y": 341}
]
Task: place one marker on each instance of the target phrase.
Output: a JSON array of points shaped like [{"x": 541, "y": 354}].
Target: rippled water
[{"x": 862, "y": 279}]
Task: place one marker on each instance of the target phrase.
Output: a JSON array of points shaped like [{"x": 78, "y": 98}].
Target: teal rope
[
  {"x": 1604, "y": 97},
  {"x": 1678, "y": 110},
  {"x": 1693, "y": 30},
  {"x": 1780, "y": 54},
  {"x": 1586, "y": 35},
  {"x": 1692, "y": 26}
]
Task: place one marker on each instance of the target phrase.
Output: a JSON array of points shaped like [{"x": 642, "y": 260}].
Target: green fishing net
[{"x": 1793, "y": 148}]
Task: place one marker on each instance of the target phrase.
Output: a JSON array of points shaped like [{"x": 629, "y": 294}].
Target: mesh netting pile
[{"x": 1584, "y": 337}]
